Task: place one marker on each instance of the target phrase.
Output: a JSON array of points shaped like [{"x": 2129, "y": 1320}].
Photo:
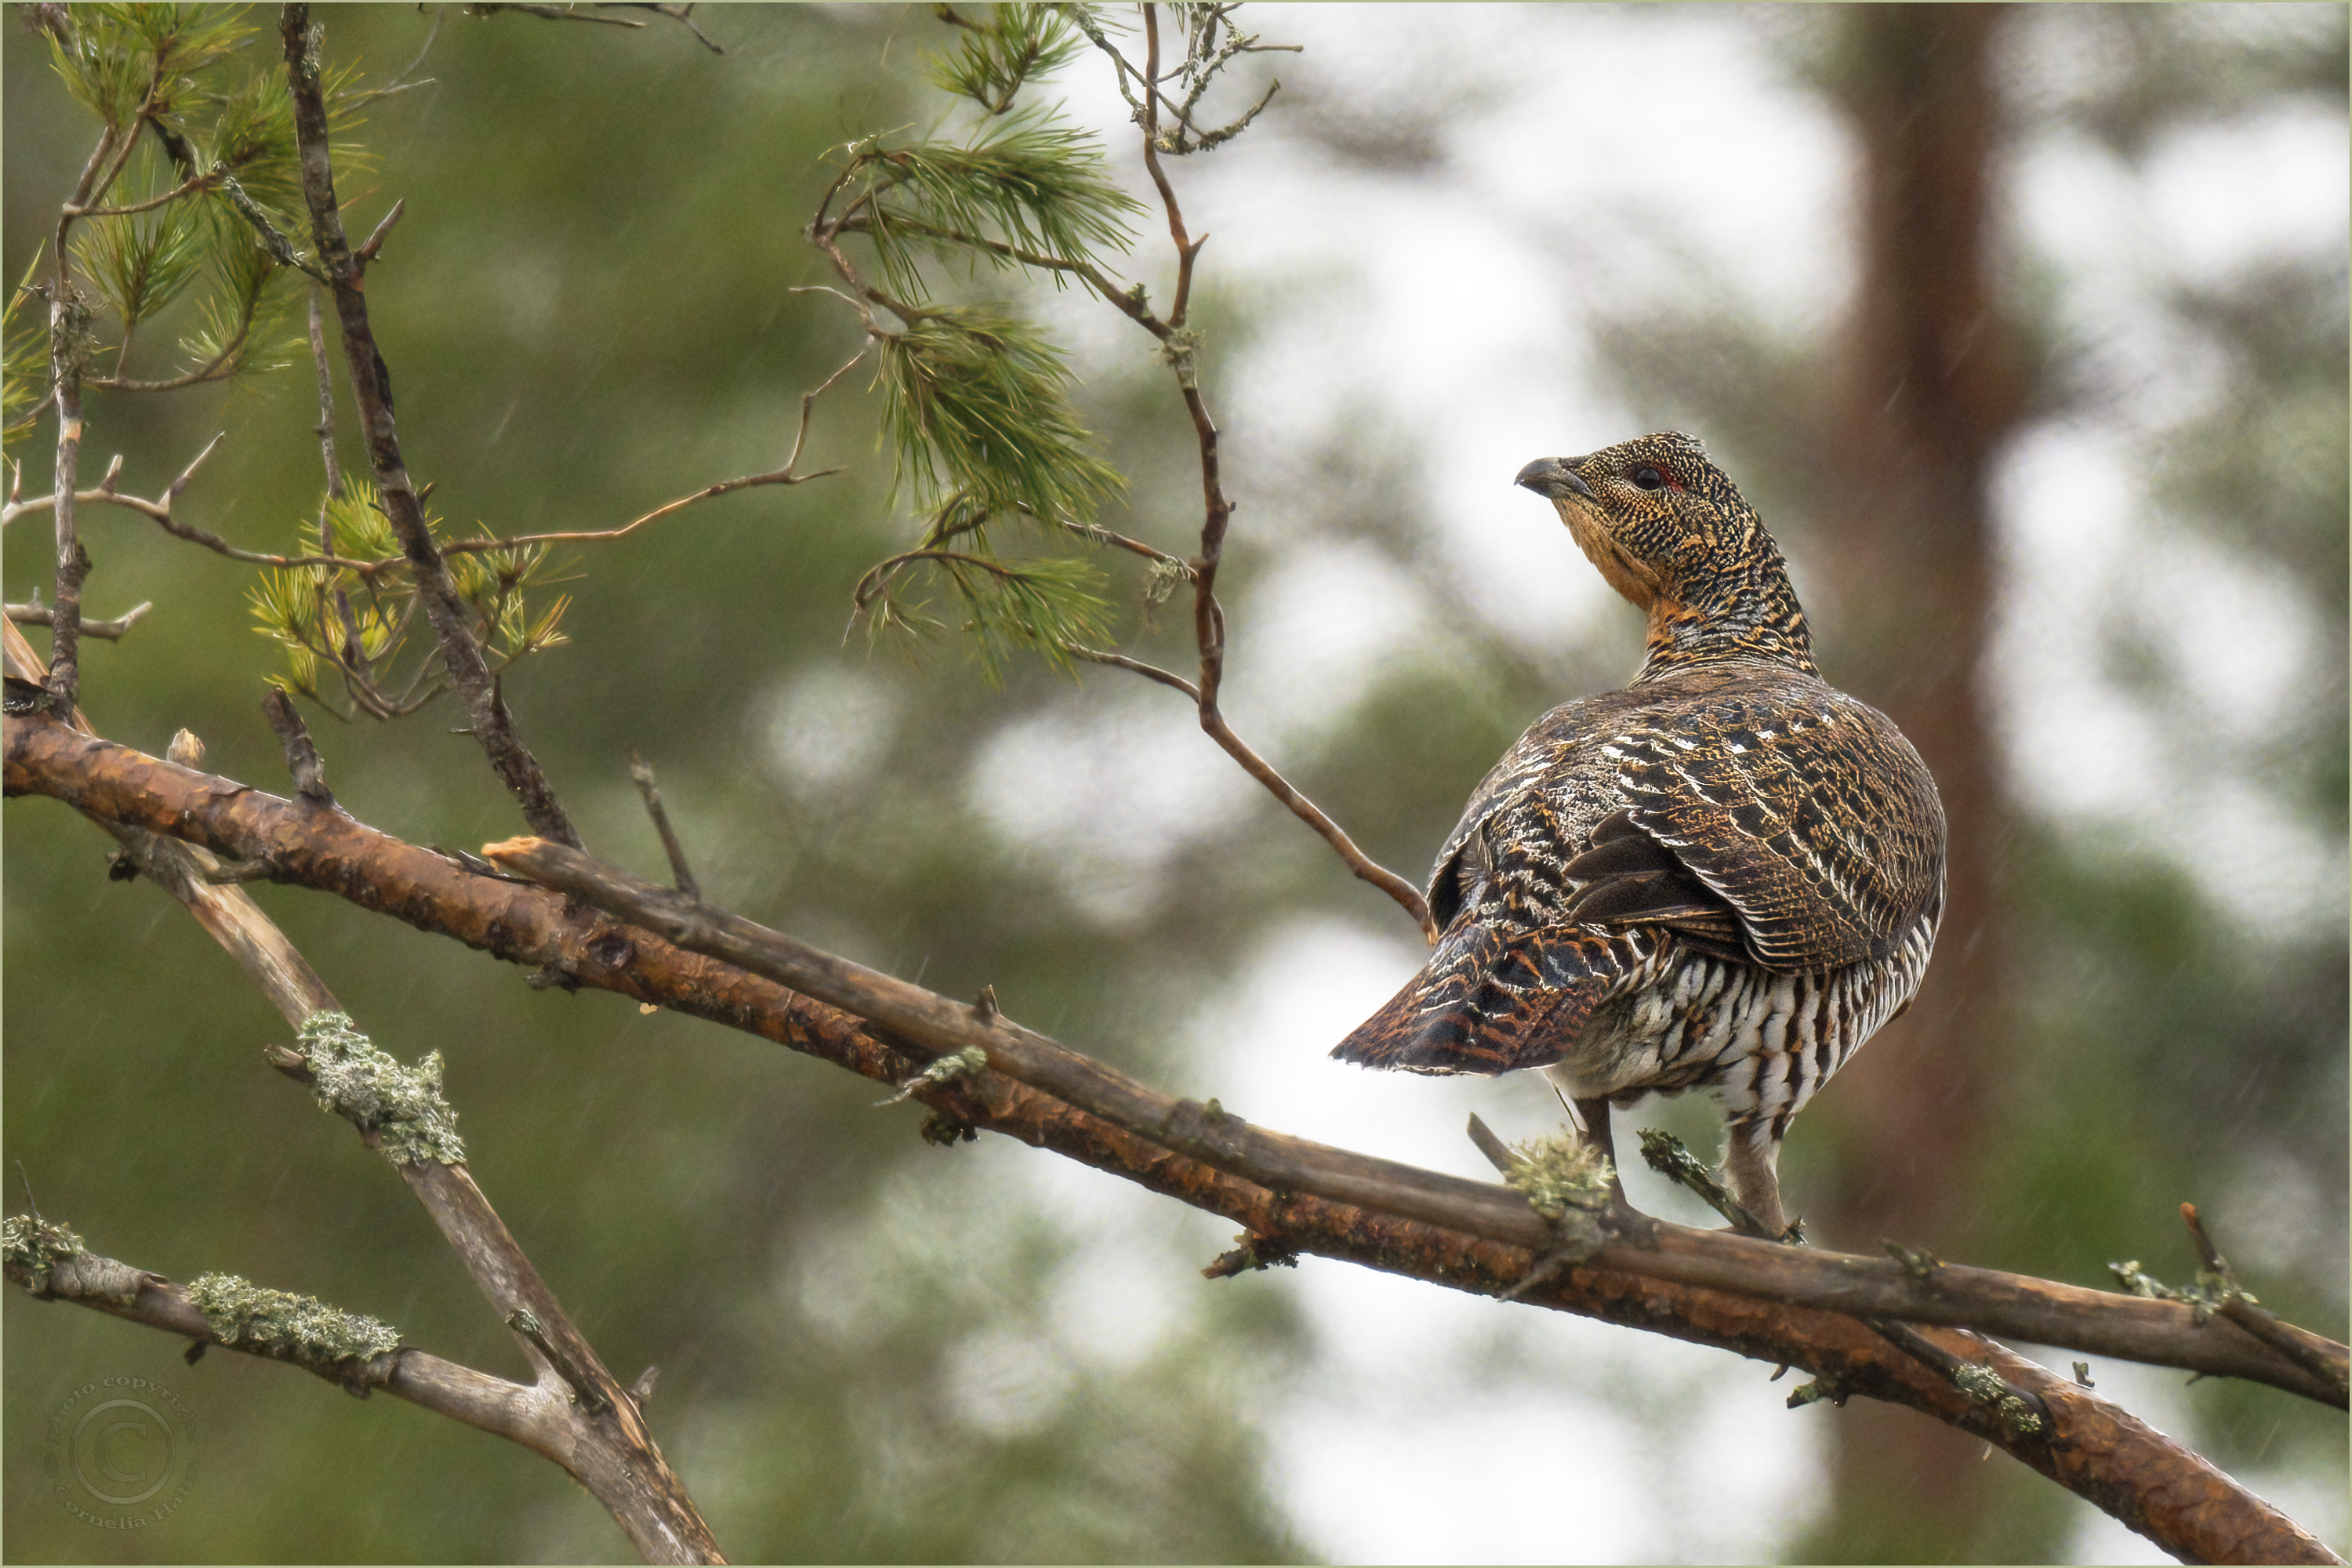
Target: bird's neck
[{"x": 1749, "y": 612}]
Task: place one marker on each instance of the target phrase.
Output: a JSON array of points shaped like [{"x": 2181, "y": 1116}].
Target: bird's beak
[{"x": 1554, "y": 480}]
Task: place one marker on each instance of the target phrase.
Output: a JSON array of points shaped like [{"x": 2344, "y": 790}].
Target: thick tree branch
[
  {"x": 1780, "y": 1304},
  {"x": 470, "y": 671}
]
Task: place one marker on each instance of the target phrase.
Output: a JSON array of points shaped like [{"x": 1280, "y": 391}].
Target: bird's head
[{"x": 1670, "y": 531}]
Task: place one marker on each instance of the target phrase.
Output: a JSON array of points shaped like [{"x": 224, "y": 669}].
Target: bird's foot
[{"x": 1667, "y": 1155}]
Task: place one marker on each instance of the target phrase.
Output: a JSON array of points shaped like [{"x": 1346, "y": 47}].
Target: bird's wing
[
  {"x": 1628, "y": 878},
  {"x": 1804, "y": 811},
  {"x": 1536, "y": 765}
]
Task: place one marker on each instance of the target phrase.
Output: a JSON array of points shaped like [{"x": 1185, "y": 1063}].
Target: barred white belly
[{"x": 1765, "y": 1042}]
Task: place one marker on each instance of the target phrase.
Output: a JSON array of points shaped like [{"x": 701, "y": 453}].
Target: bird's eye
[{"x": 1647, "y": 478}]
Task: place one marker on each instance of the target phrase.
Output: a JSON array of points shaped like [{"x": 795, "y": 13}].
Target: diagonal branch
[
  {"x": 328, "y": 850},
  {"x": 1774, "y": 1303},
  {"x": 789, "y": 474}
]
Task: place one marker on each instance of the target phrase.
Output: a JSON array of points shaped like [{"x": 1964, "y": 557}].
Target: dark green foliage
[
  {"x": 1031, "y": 185},
  {"x": 976, "y": 400}
]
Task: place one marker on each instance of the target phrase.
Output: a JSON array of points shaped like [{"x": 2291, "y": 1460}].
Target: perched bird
[{"x": 1726, "y": 875}]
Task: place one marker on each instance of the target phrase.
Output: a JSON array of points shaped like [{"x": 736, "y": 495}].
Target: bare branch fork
[
  {"x": 1776, "y": 1303},
  {"x": 574, "y": 1412}
]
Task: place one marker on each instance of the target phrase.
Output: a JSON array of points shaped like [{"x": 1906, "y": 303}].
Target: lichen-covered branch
[
  {"x": 49, "y": 1262},
  {"x": 1774, "y": 1303},
  {"x": 399, "y": 1112}
]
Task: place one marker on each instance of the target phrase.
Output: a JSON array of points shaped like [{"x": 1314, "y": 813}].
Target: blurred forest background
[{"x": 2025, "y": 329}]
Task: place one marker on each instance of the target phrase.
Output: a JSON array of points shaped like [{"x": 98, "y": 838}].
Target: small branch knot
[
  {"x": 946, "y": 1070},
  {"x": 1821, "y": 1388},
  {"x": 1919, "y": 1265},
  {"x": 1255, "y": 1252},
  {"x": 1179, "y": 351}
]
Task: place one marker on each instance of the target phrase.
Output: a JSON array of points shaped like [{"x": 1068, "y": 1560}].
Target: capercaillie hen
[{"x": 1726, "y": 875}]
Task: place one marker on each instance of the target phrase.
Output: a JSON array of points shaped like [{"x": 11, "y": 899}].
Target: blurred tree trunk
[{"x": 1927, "y": 389}]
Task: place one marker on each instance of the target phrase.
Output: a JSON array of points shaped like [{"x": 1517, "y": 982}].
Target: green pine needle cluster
[
  {"x": 1031, "y": 185},
  {"x": 355, "y": 621},
  {"x": 24, "y": 356},
  {"x": 188, "y": 108},
  {"x": 1044, "y": 603},
  {"x": 977, "y": 404},
  {"x": 995, "y": 58},
  {"x": 126, "y": 62},
  {"x": 976, "y": 401}
]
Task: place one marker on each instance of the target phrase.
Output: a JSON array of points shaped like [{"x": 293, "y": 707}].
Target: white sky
[{"x": 1454, "y": 305}]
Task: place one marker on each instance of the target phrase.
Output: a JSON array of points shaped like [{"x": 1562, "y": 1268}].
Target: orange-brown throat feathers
[
  {"x": 1671, "y": 534},
  {"x": 1633, "y": 580}
]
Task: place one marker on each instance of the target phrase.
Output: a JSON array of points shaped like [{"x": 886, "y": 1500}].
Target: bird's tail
[{"x": 1491, "y": 1002}]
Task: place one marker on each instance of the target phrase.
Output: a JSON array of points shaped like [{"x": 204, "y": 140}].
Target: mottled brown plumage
[{"x": 1726, "y": 874}]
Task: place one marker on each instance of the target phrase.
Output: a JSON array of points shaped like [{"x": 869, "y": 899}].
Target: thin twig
[
  {"x": 160, "y": 511},
  {"x": 383, "y": 231},
  {"x": 190, "y": 186},
  {"x": 681, "y": 875},
  {"x": 470, "y": 1397},
  {"x": 548, "y": 13},
  {"x": 307, "y": 768},
  {"x": 40, "y": 615},
  {"x": 2243, "y": 1309},
  {"x": 682, "y": 15},
  {"x": 787, "y": 475},
  {"x": 1148, "y": 671},
  {"x": 1208, "y": 617},
  {"x": 325, "y": 428},
  {"x": 1095, "y": 533}
]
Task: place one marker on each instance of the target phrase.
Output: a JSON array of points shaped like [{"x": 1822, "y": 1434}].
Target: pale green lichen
[
  {"x": 2213, "y": 1291},
  {"x": 1984, "y": 1386},
  {"x": 1560, "y": 1172},
  {"x": 285, "y": 1326},
  {"x": 369, "y": 1087},
  {"x": 946, "y": 1070},
  {"x": 34, "y": 1247}
]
